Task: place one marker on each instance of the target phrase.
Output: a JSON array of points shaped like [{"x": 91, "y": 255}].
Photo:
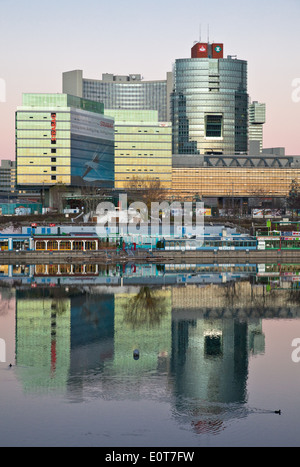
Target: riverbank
[{"x": 155, "y": 256}]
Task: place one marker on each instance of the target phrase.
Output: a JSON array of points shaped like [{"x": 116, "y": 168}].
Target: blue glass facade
[
  {"x": 92, "y": 149},
  {"x": 92, "y": 161}
]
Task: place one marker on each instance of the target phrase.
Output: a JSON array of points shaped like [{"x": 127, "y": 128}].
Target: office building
[
  {"x": 8, "y": 176},
  {"x": 257, "y": 118},
  {"x": 63, "y": 139},
  {"x": 143, "y": 149},
  {"x": 124, "y": 92},
  {"x": 210, "y": 102},
  {"x": 37, "y": 317},
  {"x": 208, "y": 176}
]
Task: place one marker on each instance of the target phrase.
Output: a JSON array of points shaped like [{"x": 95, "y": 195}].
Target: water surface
[{"x": 214, "y": 362}]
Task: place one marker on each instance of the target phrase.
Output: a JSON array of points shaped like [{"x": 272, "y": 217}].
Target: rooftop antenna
[
  {"x": 208, "y": 33},
  {"x": 200, "y": 33}
]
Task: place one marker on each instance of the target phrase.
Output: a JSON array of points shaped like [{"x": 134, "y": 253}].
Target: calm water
[{"x": 214, "y": 361}]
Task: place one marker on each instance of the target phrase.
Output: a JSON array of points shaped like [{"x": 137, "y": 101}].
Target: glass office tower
[
  {"x": 63, "y": 139},
  {"x": 210, "y": 103}
]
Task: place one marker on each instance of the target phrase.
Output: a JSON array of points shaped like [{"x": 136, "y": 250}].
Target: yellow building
[
  {"x": 232, "y": 182},
  {"x": 63, "y": 139},
  {"x": 43, "y": 327},
  {"x": 143, "y": 148}
]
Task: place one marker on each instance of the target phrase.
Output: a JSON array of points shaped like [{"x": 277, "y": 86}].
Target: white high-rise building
[
  {"x": 257, "y": 118},
  {"x": 122, "y": 92}
]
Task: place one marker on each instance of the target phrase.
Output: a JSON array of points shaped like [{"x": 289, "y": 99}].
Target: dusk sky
[{"x": 40, "y": 40}]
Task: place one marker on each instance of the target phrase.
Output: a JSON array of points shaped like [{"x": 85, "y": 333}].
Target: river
[{"x": 159, "y": 359}]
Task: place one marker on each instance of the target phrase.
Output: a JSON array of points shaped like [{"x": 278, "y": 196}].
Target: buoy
[{"x": 136, "y": 354}]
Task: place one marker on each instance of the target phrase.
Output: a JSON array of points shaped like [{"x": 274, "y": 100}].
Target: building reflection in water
[
  {"x": 43, "y": 338},
  {"x": 194, "y": 343}
]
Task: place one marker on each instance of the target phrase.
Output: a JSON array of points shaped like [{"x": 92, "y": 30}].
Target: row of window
[
  {"x": 53, "y": 269},
  {"x": 118, "y": 88},
  {"x": 36, "y": 152},
  {"x": 40, "y": 143},
  {"x": 215, "y": 244},
  {"x": 41, "y": 116},
  {"x": 63, "y": 125},
  {"x": 133, "y": 130},
  {"x": 159, "y": 154},
  {"x": 210, "y": 268},
  {"x": 65, "y": 245},
  {"x": 29, "y": 181},
  {"x": 157, "y": 169}
]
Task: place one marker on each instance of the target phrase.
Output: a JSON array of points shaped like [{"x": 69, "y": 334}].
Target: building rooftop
[
  {"x": 235, "y": 161},
  {"x": 37, "y": 100}
]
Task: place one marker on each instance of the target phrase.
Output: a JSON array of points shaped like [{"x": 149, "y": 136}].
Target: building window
[
  {"x": 213, "y": 346},
  {"x": 53, "y": 177},
  {"x": 53, "y": 159},
  {"x": 53, "y": 169},
  {"x": 53, "y": 150},
  {"x": 213, "y": 126}
]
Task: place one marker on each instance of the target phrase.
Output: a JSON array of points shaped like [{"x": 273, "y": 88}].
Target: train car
[
  {"x": 234, "y": 242},
  {"x": 277, "y": 240}
]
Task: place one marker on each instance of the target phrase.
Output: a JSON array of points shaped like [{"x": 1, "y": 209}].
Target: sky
[{"x": 40, "y": 40}]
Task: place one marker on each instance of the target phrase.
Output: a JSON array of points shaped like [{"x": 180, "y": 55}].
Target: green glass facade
[{"x": 62, "y": 100}]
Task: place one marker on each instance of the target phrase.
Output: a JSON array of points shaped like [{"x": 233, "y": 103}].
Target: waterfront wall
[{"x": 155, "y": 256}]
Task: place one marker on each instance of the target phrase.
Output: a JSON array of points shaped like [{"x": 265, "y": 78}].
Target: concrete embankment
[{"x": 155, "y": 256}]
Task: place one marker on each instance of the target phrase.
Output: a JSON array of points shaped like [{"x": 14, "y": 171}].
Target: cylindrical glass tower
[{"x": 210, "y": 105}]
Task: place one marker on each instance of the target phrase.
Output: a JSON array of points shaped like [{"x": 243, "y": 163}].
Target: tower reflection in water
[{"x": 193, "y": 342}]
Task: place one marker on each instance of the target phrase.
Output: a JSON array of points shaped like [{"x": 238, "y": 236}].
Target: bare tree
[
  {"x": 91, "y": 197},
  {"x": 146, "y": 308},
  {"x": 146, "y": 189},
  {"x": 293, "y": 199},
  {"x": 257, "y": 194},
  {"x": 56, "y": 195}
]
